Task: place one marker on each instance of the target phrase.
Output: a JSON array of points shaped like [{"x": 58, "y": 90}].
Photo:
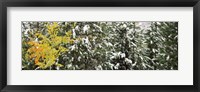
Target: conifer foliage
[{"x": 100, "y": 45}]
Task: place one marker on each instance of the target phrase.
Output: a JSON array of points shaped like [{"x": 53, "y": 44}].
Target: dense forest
[{"x": 100, "y": 45}]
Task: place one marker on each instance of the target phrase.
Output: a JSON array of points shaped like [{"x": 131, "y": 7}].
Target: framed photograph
[{"x": 87, "y": 45}]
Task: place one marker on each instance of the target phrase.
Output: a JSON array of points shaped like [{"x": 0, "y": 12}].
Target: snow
[
  {"x": 57, "y": 68},
  {"x": 79, "y": 58},
  {"x": 98, "y": 27},
  {"x": 77, "y": 28},
  {"x": 133, "y": 44},
  {"x": 128, "y": 60},
  {"x": 69, "y": 65},
  {"x": 73, "y": 33},
  {"x": 116, "y": 66},
  {"x": 86, "y": 28},
  {"x": 72, "y": 47},
  {"x": 144, "y": 25},
  {"x": 117, "y": 55},
  {"x": 85, "y": 41},
  {"x": 99, "y": 67},
  {"x": 124, "y": 25},
  {"x": 108, "y": 44},
  {"x": 122, "y": 55},
  {"x": 36, "y": 39}
]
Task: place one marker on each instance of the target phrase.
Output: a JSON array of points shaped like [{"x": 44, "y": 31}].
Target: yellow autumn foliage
[{"x": 46, "y": 51}]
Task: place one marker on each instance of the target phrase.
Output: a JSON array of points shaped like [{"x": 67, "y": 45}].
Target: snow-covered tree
[{"x": 100, "y": 45}]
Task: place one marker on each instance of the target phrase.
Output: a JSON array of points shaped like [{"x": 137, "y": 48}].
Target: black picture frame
[{"x": 100, "y": 3}]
